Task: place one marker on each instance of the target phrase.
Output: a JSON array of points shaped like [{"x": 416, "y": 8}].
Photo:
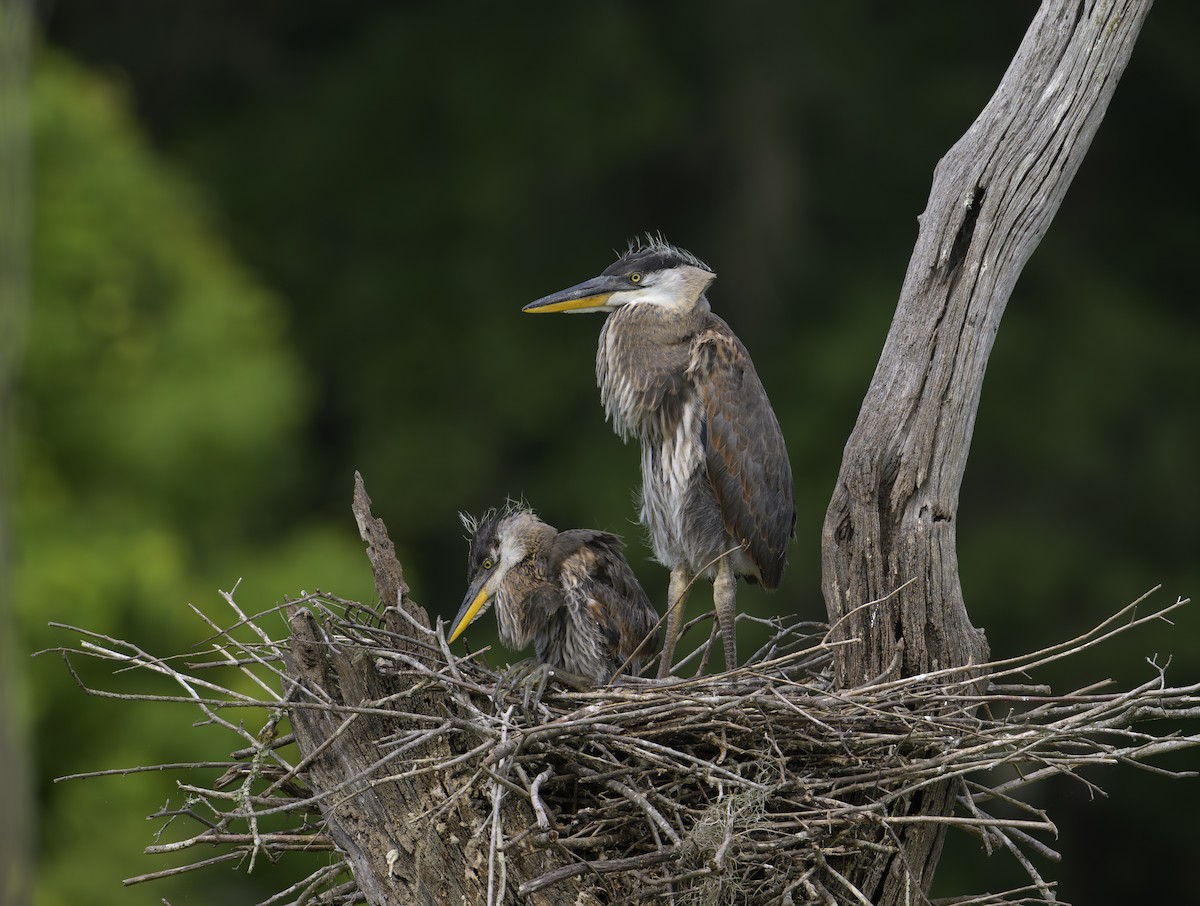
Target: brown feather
[{"x": 747, "y": 461}]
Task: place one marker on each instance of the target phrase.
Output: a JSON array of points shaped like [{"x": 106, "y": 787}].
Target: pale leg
[
  {"x": 724, "y": 593},
  {"x": 677, "y": 593}
]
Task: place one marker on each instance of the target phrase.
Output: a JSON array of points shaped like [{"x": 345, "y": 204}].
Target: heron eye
[
  {"x": 635, "y": 278},
  {"x": 488, "y": 564}
]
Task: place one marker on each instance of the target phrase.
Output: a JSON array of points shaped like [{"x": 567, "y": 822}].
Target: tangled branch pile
[{"x": 761, "y": 785}]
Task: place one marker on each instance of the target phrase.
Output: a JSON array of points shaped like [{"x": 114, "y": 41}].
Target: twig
[{"x": 688, "y": 785}]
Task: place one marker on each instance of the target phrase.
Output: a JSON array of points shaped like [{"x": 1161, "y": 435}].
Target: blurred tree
[
  {"x": 16, "y": 870},
  {"x": 156, "y": 419}
]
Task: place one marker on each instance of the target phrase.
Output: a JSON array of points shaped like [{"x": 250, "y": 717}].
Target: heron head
[
  {"x": 499, "y": 541},
  {"x": 651, "y": 272}
]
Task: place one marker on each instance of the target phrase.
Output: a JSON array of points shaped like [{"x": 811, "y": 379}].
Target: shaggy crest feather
[
  {"x": 655, "y": 242},
  {"x": 494, "y": 514}
]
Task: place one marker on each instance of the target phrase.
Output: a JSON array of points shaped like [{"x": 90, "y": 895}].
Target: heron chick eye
[
  {"x": 635, "y": 278},
  {"x": 488, "y": 563}
]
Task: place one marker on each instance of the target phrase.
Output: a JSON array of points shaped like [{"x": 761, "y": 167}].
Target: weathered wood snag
[
  {"x": 890, "y": 531},
  {"x": 892, "y": 519}
]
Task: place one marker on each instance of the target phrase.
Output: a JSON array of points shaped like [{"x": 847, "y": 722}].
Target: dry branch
[{"x": 766, "y": 784}]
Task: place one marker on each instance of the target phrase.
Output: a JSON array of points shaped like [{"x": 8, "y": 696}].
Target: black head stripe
[
  {"x": 650, "y": 254},
  {"x": 483, "y": 541}
]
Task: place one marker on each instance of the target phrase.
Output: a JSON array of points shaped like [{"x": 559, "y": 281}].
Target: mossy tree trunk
[{"x": 889, "y": 559}]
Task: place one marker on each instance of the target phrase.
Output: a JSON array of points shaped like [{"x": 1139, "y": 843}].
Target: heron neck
[
  {"x": 512, "y": 618},
  {"x": 515, "y": 617},
  {"x": 642, "y": 362}
]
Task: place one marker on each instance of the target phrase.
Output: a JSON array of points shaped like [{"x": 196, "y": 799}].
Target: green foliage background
[{"x": 276, "y": 243}]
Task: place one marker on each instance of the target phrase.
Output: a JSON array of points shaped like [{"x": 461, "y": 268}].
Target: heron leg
[
  {"x": 724, "y": 594},
  {"x": 677, "y": 593}
]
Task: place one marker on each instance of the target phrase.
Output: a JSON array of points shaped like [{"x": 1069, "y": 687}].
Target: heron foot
[{"x": 529, "y": 679}]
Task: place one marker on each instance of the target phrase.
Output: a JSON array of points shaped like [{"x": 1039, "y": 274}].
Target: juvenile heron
[
  {"x": 571, "y": 593},
  {"x": 717, "y": 494}
]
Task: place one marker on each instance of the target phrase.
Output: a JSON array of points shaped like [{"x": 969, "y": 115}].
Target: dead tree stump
[{"x": 890, "y": 531}]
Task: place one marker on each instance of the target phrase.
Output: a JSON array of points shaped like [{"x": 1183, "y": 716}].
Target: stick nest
[{"x": 760, "y": 785}]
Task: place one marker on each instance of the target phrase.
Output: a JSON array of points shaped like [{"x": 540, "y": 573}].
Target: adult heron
[{"x": 717, "y": 494}]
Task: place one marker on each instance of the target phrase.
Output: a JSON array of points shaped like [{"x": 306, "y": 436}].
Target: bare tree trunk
[{"x": 889, "y": 559}]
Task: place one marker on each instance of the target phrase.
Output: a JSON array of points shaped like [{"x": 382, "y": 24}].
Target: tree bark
[{"x": 889, "y": 559}]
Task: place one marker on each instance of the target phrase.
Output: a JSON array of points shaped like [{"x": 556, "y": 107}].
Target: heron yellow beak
[
  {"x": 590, "y": 295},
  {"x": 587, "y": 303},
  {"x": 468, "y": 612}
]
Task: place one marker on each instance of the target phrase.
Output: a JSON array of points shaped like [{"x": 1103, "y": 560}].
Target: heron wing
[
  {"x": 744, "y": 450},
  {"x": 619, "y": 604}
]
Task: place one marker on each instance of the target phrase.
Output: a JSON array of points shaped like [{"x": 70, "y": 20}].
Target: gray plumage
[
  {"x": 717, "y": 493},
  {"x": 572, "y": 594}
]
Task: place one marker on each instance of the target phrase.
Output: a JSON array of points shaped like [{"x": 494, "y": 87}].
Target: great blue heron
[
  {"x": 717, "y": 493},
  {"x": 571, "y": 593}
]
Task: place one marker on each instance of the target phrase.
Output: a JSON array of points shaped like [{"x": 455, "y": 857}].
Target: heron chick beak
[
  {"x": 590, "y": 295},
  {"x": 472, "y": 606}
]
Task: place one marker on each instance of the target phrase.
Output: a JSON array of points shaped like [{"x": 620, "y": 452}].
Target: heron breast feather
[{"x": 671, "y": 489}]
